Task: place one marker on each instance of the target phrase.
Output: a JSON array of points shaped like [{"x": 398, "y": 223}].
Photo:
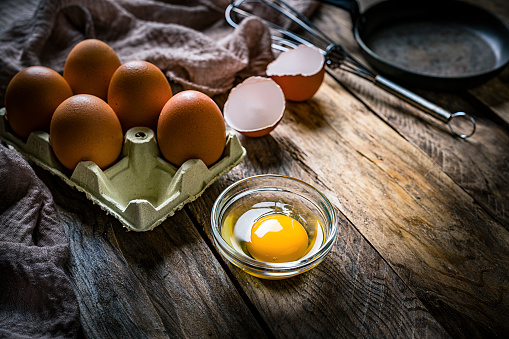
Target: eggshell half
[
  {"x": 299, "y": 72},
  {"x": 255, "y": 107}
]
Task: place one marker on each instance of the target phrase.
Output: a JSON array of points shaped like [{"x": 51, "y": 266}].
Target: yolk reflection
[{"x": 277, "y": 238}]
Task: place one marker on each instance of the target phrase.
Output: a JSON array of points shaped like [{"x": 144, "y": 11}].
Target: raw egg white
[
  {"x": 299, "y": 72},
  {"x": 255, "y": 107}
]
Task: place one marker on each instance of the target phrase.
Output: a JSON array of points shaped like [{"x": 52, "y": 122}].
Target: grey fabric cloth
[{"x": 36, "y": 297}]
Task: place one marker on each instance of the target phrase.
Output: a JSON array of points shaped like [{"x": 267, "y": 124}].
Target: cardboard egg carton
[{"x": 141, "y": 189}]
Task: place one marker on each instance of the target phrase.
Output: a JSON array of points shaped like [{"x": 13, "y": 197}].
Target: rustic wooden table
[{"x": 423, "y": 243}]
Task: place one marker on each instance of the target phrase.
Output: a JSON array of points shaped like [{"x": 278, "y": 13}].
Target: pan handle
[{"x": 426, "y": 106}]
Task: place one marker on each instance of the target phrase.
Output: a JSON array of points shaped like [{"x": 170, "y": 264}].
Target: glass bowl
[{"x": 241, "y": 204}]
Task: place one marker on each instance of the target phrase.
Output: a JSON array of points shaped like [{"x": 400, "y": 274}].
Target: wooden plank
[
  {"x": 452, "y": 253},
  {"x": 466, "y": 290},
  {"x": 495, "y": 95},
  {"x": 153, "y": 284},
  {"x": 353, "y": 293},
  {"x": 480, "y": 164}
]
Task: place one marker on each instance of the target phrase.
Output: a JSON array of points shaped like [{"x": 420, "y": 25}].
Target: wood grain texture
[
  {"x": 474, "y": 282},
  {"x": 163, "y": 283},
  {"x": 352, "y": 293},
  {"x": 470, "y": 162},
  {"x": 495, "y": 95},
  {"x": 412, "y": 213},
  {"x": 433, "y": 233}
]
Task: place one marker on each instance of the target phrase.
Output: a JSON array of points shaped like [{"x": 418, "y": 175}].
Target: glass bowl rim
[{"x": 263, "y": 266}]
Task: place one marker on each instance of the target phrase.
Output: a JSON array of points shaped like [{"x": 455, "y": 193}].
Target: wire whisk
[{"x": 336, "y": 57}]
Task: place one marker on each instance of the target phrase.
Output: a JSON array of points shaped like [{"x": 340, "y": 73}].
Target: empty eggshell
[
  {"x": 255, "y": 106},
  {"x": 299, "y": 72}
]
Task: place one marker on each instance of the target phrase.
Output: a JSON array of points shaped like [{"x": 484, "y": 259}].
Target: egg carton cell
[{"x": 141, "y": 189}]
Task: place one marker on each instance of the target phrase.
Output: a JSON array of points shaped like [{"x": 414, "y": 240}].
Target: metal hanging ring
[{"x": 461, "y": 114}]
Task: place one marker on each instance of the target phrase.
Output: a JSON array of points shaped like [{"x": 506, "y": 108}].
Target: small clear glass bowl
[{"x": 301, "y": 197}]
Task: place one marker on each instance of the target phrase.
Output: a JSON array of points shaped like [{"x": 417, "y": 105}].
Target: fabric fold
[
  {"x": 36, "y": 296},
  {"x": 174, "y": 37}
]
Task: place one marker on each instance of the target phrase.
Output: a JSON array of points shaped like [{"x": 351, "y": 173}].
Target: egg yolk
[{"x": 277, "y": 238}]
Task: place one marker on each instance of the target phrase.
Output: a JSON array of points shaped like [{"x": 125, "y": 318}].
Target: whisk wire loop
[{"x": 335, "y": 55}]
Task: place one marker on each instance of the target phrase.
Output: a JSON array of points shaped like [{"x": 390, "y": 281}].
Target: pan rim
[{"x": 498, "y": 25}]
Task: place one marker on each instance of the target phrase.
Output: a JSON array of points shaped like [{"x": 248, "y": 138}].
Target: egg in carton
[{"x": 141, "y": 189}]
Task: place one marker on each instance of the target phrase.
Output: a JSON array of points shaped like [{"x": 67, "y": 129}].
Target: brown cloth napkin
[{"x": 36, "y": 297}]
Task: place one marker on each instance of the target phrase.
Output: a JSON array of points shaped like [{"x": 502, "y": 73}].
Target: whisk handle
[
  {"x": 423, "y": 104},
  {"x": 412, "y": 98}
]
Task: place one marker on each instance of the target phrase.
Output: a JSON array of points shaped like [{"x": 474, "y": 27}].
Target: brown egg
[
  {"x": 137, "y": 93},
  {"x": 299, "y": 72},
  {"x": 31, "y": 98},
  {"x": 84, "y": 127},
  {"x": 89, "y": 67},
  {"x": 191, "y": 126}
]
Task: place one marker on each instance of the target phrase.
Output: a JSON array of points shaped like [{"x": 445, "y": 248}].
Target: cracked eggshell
[
  {"x": 255, "y": 107},
  {"x": 299, "y": 72}
]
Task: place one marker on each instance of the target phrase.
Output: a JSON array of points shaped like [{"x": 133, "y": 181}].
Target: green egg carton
[{"x": 141, "y": 189}]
